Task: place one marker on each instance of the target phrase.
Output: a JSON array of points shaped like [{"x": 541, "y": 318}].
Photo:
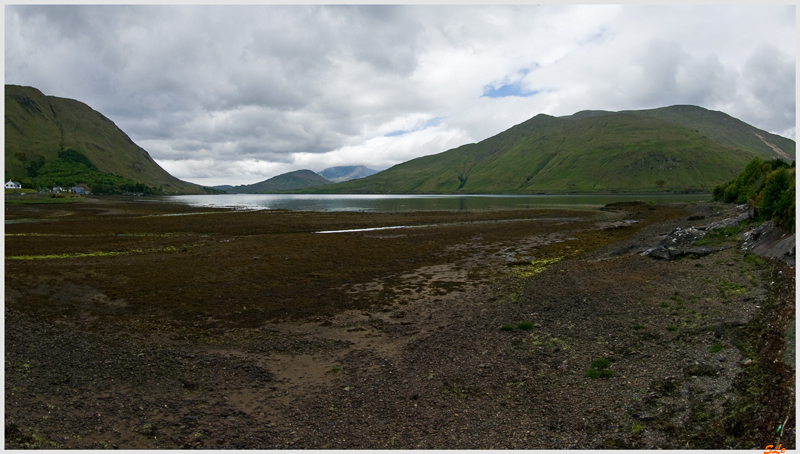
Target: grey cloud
[
  {"x": 659, "y": 62},
  {"x": 225, "y": 83},
  {"x": 770, "y": 76}
]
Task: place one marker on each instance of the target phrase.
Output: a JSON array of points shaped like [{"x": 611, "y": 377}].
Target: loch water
[{"x": 416, "y": 202}]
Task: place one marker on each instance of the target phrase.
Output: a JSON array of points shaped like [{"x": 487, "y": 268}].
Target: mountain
[
  {"x": 298, "y": 179},
  {"x": 672, "y": 149},
  {"x": 724, "y": 129},
  {"x": 39, "y": 129},
  {"x": 346, "y": 173},
  {"x": 223, "y": 187}
]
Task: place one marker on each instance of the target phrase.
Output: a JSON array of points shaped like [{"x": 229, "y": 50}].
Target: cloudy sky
[{"x": 238, "y": 94}]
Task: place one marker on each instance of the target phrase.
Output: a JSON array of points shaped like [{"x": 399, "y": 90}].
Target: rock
[{"x": 769, "y": 241}]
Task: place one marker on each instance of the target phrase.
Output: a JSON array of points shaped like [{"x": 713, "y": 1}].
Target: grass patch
[
  {"x": 599, "y": 369},
  {"x": 754, "y": 259},
  {"x": 672, "y": 327},
  {"x": 720, "y": 235},
  {"x": 43, "y": 200},
  {"x": 507, "y": 327},
  {"x": 527, "y": 326},
  {"x": 595, "y": 373},
  {"x": 716, "y": 347},
  {"x": 727, "y": 289}
]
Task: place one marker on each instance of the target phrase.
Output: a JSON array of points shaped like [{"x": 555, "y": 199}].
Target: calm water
[{"x": 393, "y": 203}]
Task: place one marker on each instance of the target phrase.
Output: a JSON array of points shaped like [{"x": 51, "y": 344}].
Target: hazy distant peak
[{"x": 346, "y": 173}]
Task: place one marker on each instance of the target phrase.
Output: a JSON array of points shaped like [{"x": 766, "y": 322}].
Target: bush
[
  {"x": 599, "y": 369},
  {"x": 768, "y": 187},
  {"x": 598, "y": 373}
]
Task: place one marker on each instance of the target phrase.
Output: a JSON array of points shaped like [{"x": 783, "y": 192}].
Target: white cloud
[{"x": 238, "y": 94}]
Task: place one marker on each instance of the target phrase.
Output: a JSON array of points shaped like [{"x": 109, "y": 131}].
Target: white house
[{"x": 13, "y": 185}]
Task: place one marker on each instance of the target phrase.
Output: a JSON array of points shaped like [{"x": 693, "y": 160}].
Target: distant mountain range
[
  {"x": 300, "y": 179},
  {"x": 346, "y": 173},
  {"x": 671, "y": 149},
  {"x": 39, "y": 129}
]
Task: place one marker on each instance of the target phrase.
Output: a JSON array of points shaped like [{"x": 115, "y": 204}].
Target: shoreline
[{"x": 248, "y": 331}]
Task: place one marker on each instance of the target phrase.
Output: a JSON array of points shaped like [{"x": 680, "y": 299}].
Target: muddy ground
[{"x": 138, "y": 325}]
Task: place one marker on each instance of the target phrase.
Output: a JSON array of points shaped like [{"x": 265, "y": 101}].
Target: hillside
[
  {"x": 39, "y": 128},
  {"x": 661, "y": 150},
  {"x": 717, "y": 126},
  {"x": 346, "y": 173},
  {"x": 289, "y": 181}
]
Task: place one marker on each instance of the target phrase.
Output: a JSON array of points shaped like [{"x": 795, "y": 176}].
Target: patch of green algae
[{"x": 90, "y": 254}]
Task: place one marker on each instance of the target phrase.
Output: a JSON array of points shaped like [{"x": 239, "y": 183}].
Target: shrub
[
  {"x": 601, "y": 373},
  {"x": 768, "y": 187},
  {"x": 599, "y": 369},
  {"x": 527, "y": 326}
]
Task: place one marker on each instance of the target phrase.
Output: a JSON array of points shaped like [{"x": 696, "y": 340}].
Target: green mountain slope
[
  {"x": 289, "y": 181},
  {"x": 722, "y": 128},
  {"x": 589, "y": 152},
  {"x": 40, "y": 127}
]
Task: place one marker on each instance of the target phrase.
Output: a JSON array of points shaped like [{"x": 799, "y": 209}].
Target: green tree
[{"x": 33, "y": 167}]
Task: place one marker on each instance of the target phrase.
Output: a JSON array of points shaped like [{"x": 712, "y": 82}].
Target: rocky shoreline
[{"x": 473, "y": 336}]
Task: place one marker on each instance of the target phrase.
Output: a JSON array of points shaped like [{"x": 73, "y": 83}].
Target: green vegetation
[
  {"x": 599, "y": 369},
  {"x": 716, "y": 347},
  {"x": 526, "y": 326},
  {"x": 594, "y": 152},
  {"x": 284, "y": 182},
  {"x": 719, "y": 235},
  {"x": 73, "y": 167},
  {"x": 767, "y": 187},
  {"x": 507, "y": 327},
  {"x": 41, "y": 130},
  {"x": 44, "y": 200}
]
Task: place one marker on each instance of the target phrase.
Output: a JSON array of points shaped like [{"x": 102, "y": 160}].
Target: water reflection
[{"x": 394, "y": 203}]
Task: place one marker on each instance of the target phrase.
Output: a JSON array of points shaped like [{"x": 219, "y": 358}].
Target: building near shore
[{"x": 13, "y": 185}]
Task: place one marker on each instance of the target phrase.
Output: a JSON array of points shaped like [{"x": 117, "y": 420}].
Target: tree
[{"x": 33, "y": 167}]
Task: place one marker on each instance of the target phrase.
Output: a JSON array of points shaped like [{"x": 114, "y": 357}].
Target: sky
[{"x": 238, "y": 94}]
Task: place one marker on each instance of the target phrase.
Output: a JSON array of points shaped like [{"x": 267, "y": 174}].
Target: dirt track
[{"x": 248, "y": 330}]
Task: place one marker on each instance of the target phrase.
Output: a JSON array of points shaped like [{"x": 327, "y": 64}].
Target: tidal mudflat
[{"x": 156, "y": 325}]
